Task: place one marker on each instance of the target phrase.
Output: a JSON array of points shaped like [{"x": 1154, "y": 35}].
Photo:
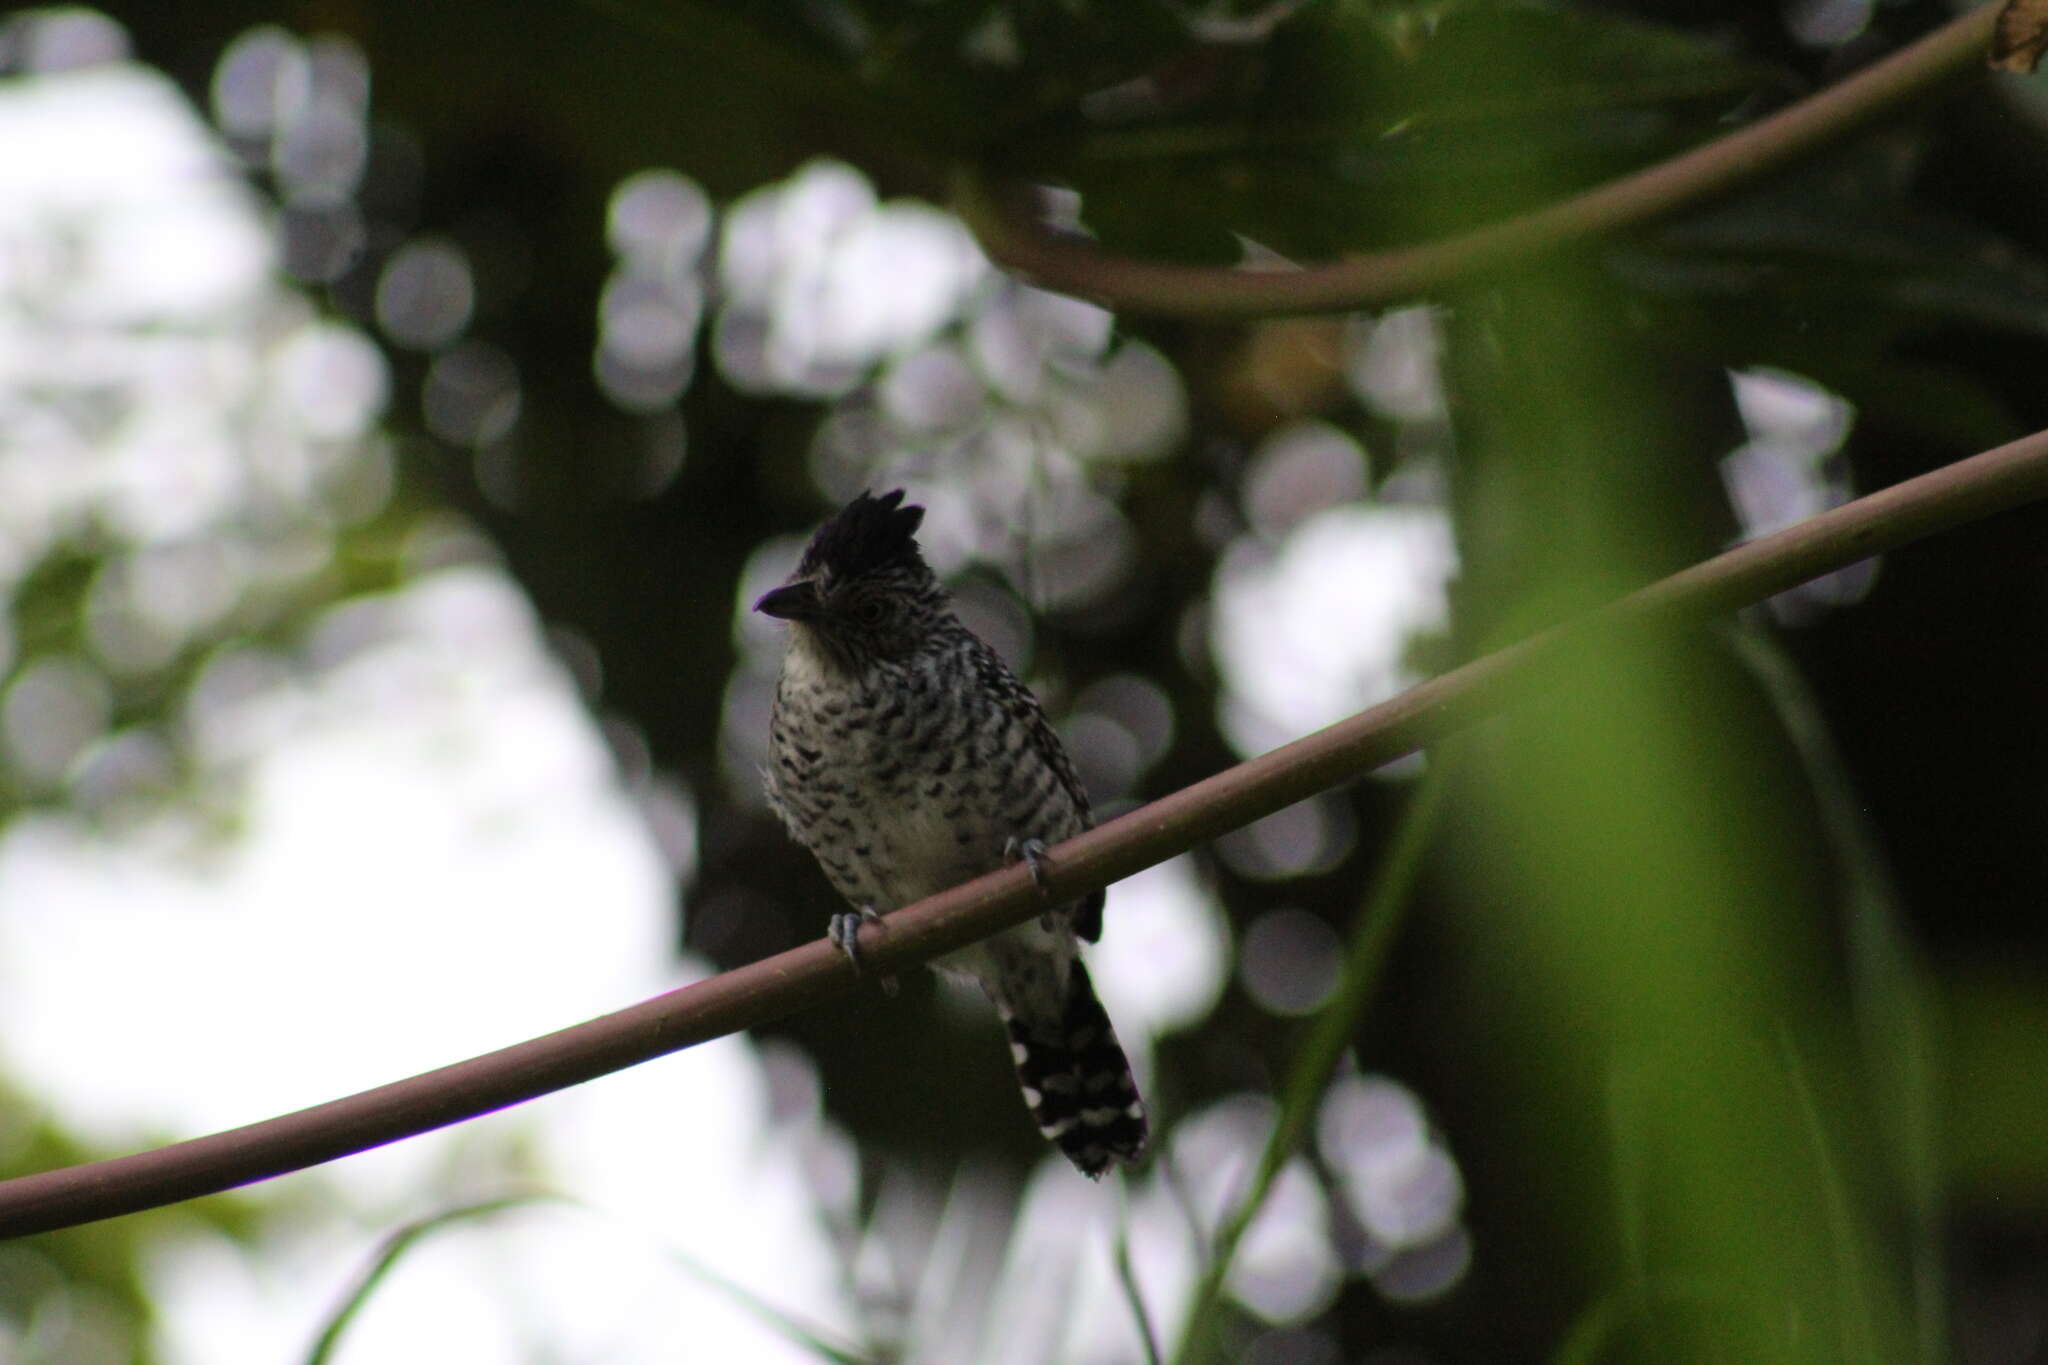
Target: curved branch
[
  {"x": 752, "y": 995},
  {"x": 1072, "y": 265}
]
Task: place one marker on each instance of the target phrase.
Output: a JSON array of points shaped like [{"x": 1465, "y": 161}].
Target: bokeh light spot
[
  {"x": 471, "y": 396},
  {"x": 1787, "y": 471},
  {"x": 1286, "y": 1271},
  {"x": 1398, "y": 1181},
  {"x": 782, "y": 229},
  {"x": 1093, "y": 551},
  {"x": 822, "y": 283},
  {"x": 124, "y": 774},
  {"x": 1826, "y": 23},
  {"x": 61, "y": 38},
  {"x": 1289, "y": 961},
  {"x": 660, "y": 220},
  {"x": 1105, "y": 754},
  {"x": 1422, "y": 1273},
  {"x": 932, "y": 390},
  {"x": 1142, "y": 403},
  {"x": 1395, "y": 365},
  {"x": 1304, "y": 839},
  {"x": 1025, "y": 331},
  {"x": 52, "y": 711},
  {"x": 322, "y": 241},
  {"x": 260, "y": 81},
  {"x": 333, "y": 378},
  {"x": 897, "y": 275},
  {"x": 646, "y": 324},
  {"x": 1780, "y": 475},
  {"x": 1140, "y": 706},
  {"x": 1164, "y": 966},
  {"x": 1318, "y": 629},
  {"x": 321, "y": 153},
  {"x": 1300, "y": 470},
  {"x": 425, "y": 295}
]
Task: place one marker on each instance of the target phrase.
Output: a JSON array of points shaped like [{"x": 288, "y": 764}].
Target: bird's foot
[
  {"x": 844, "y": 931},
  {"x": 1033, "y": 854}
]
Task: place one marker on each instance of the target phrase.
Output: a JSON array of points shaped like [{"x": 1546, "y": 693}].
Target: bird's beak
[{"x": 792, "y": 602}]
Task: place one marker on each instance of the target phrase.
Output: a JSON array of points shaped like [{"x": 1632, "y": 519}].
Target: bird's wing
[{"x": 1045, "y": 742}]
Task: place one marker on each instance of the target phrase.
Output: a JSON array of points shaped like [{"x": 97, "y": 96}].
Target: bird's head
[{"x": 862, "y": 590}]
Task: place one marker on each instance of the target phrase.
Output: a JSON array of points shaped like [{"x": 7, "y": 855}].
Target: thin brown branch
[
  {"x": 749, "y": 996},
  {"x": 1072, "y": 265}
]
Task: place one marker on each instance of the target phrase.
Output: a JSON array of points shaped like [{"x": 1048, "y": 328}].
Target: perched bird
[{"x": 909, "y": 759}]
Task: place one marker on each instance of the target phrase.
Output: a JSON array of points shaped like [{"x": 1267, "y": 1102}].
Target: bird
[{"x": 908, "y": 758}]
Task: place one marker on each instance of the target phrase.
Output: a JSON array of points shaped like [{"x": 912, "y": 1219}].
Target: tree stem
[{"x": 1073, "y": 265}]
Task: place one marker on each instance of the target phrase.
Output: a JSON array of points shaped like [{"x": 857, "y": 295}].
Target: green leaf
[
  {"x": 399, "y": 1243},
  {"x": 390, "y": 1253}
]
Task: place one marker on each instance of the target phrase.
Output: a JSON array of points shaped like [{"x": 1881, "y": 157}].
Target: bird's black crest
[{"x": 868, "y": 535}]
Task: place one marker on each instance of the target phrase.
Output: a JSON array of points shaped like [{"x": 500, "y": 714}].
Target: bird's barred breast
[{"x": 908, "y": 784}]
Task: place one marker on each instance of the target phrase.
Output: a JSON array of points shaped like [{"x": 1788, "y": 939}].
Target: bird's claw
[
  {"x": 1032, "y": 853},
  {"x": 844, "y": 931}
]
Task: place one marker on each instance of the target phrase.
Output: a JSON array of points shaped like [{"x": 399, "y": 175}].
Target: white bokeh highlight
[
  {"x": 429, "y": 853},
  {"x": 1338, "y": 600},
  {"x": 112, "y": 193},
  {"x": 1400, "y": 1184},
  {"x": 430, "y": 819},
  {"x": 823, "y": 281},
  {"x": 1162, "y": 965},
  {"x": 1788, "y": 471}
]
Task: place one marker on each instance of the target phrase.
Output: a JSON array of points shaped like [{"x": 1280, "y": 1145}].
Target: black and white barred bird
[{"x": 909, "y": 759}]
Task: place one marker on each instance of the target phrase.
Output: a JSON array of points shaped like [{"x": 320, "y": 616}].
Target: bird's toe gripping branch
[
  {"x": 1032, "y": 852},
  {"x": 844, "y": 931}
]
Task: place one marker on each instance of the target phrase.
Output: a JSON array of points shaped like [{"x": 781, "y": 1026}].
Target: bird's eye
[{"x": 870, "y": 611}]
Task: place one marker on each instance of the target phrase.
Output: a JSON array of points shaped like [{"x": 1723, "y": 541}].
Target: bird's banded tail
[{"x": 1076, "y": 1081}]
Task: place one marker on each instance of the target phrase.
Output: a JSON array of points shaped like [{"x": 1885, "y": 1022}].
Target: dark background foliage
[{"x": 1906, "y": 270}]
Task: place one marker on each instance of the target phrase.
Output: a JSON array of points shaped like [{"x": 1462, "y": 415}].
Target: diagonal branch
[
  {"x": 746, "y": 997},
  {"x": 1073, "y": 265}
]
